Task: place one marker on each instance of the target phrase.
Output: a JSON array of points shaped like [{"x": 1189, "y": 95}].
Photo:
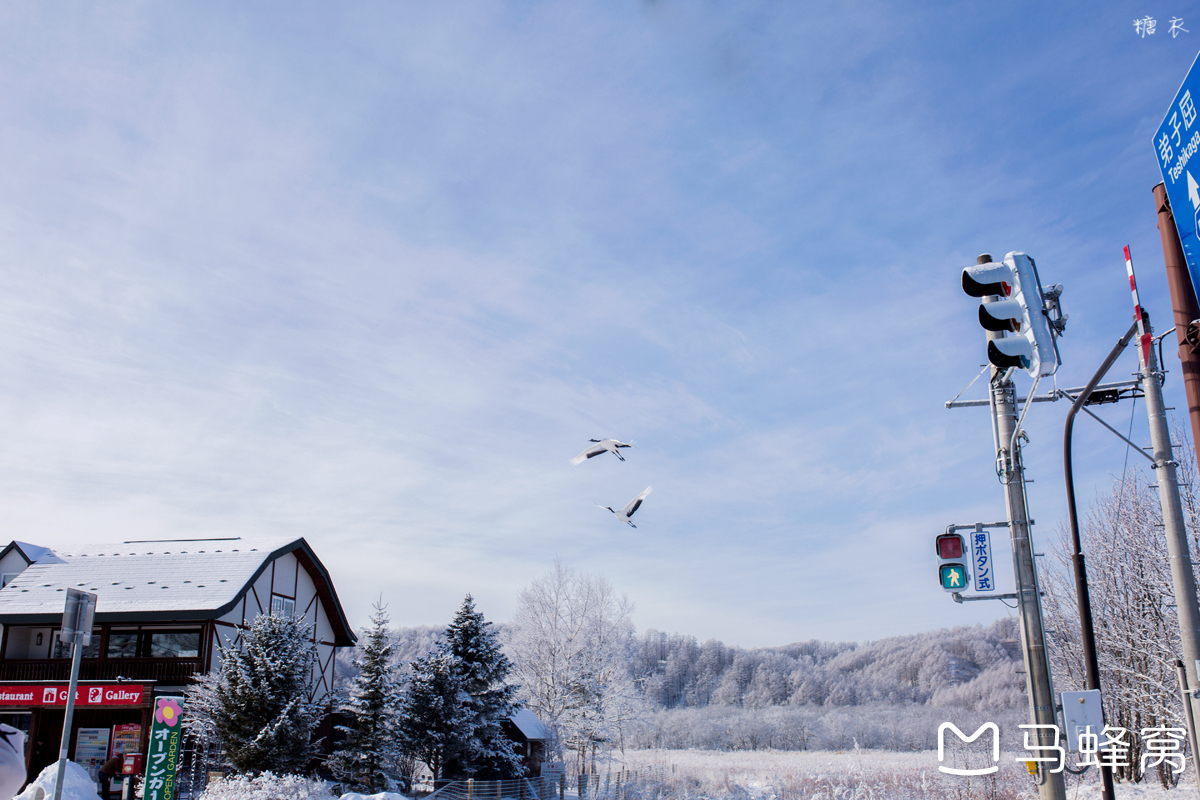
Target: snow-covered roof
[
  {"x": 175, "y": 580},
  {"x": 30, "y": 552},
  {"x": 529, "y": 725},
  {"x": 35, "y": 552}
]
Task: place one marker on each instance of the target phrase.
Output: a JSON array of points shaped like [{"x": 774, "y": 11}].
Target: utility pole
[
  {"x": 1187, "y": 334},
  {"x": 1173, "y": 520},
  {"x": 1051, "y": 785},
  {"x": 1174, "y": 528},
  {"x": 1183, "y": 304}
]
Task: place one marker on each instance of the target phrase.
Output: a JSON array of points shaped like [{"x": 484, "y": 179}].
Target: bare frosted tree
[
  {"x": 570, "y": 644},
  {"x": 1133, "y": 605}
]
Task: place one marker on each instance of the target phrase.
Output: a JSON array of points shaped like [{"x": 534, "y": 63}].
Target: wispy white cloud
[{"x": 374, "y": 275}]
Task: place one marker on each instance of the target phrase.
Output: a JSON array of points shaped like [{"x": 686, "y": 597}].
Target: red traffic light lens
[
  {"x": 950, "y": 546},
  {"x": 982, "y": 280}
]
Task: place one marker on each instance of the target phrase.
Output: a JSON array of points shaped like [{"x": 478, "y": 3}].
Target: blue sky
[{"x": 373, "y": 273}]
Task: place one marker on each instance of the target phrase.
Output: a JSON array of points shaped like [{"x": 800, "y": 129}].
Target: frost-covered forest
[
  {"x": 974, "y": 667},
  {"x": 891, "y": 693}
]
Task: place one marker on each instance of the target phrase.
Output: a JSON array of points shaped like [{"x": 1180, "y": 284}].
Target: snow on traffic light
[
  {"x": 1028, "y": 317},
  {"x": 952, "y": 554}
]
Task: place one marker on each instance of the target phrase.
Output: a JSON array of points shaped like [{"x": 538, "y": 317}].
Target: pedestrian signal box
[{"x": 952, "y": 562}]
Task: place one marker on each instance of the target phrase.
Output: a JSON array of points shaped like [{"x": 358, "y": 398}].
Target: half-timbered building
[{"x": 164, "y": 612}]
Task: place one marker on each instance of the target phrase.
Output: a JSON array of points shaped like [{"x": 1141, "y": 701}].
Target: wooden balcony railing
[{"x": 138, "y": 669}]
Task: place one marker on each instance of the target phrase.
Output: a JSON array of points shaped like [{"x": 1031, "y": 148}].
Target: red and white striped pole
[{"x": 1143, "y": 334}]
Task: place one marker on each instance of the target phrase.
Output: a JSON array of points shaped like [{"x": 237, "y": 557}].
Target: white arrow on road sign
[{"x": 1193, "y": 191}]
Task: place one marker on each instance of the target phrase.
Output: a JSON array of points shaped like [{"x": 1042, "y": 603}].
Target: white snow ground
[
  {"x": 77, "y": 784},
  {"x": 860, "y": 774}
]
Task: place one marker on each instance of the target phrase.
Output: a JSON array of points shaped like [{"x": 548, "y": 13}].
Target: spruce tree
[
  {"x": 263, "y": 714},
  {"x": 433, "y": 720},
  {"x": 368, "y": 758},
  {"x": 482, "y": 669}
]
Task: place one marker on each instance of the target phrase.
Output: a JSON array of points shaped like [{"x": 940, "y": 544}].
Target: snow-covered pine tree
[
  {"x": 433, "y": 720},
  {"x": 264, "y": 714},
  {"x": 368, "y": 758},
  {"x": 483, "y": 670},
  {"x": 199, "y": 723}
]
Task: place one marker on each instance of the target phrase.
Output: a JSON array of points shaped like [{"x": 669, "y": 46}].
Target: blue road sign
[{"x": 1176, "y": 144}]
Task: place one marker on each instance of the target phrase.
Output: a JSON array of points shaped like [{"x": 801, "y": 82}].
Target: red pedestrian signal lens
[{"x": 950, "y": 547}]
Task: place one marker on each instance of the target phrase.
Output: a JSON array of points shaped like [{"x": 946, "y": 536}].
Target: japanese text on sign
[
  {"x": 1178, "y": 142},
  {"x": 163, "y": 759},
  {"x": 981, "y": 559}
]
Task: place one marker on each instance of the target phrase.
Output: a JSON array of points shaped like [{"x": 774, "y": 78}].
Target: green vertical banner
[{"x": 163, "y": 758}]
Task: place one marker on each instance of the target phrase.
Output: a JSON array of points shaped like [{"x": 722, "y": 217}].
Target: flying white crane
[
  {"x": 625, "y": 513},
  {"x": 601, "y": 446}
]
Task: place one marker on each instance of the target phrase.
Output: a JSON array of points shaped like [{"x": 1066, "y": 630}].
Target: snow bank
[
  {"x": 77, "y": 784},
  {"x": 379, "y": 796},
  {"x": 12, "y": 761},
  {"x": 766, "y": 775},
  {"x": 265, "y": 787}
]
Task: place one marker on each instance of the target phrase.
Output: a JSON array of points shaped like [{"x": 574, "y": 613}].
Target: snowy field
[{"x": 857, "y": 775}]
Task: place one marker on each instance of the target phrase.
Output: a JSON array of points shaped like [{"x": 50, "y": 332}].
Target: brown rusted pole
[{"x": 1183, "y": 301}]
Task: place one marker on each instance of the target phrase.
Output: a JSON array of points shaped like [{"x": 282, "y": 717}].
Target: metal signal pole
[
  {"x": 1173, "y": 520},
  {"x": 1091, "y": 660},
  {"x": 1051, "y": 785},
  {"x": 1174, "y": 527}
]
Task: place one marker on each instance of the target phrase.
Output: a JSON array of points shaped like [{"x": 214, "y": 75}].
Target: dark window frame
[
  {"x": 144, "y": 644},
  {"x": 60, "y": 649}
]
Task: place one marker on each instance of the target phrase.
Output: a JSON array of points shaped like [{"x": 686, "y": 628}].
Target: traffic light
[
  {"x": 1029, "y": 317},
  {"x": 953, "y": 574}
]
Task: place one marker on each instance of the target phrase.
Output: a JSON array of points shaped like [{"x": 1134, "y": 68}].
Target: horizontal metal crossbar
[{"x": 1052, "y": 396}]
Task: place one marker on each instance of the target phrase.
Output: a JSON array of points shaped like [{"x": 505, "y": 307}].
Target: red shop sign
[{"x": 85, "y": 695}]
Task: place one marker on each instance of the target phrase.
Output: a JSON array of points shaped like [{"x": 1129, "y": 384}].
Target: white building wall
[
  {"x": 287, "y": 578},
  {"x": 12, "y": 565}
]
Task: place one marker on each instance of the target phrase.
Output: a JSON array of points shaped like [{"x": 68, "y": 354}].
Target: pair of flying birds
[{"x": 600, "y": 447}]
